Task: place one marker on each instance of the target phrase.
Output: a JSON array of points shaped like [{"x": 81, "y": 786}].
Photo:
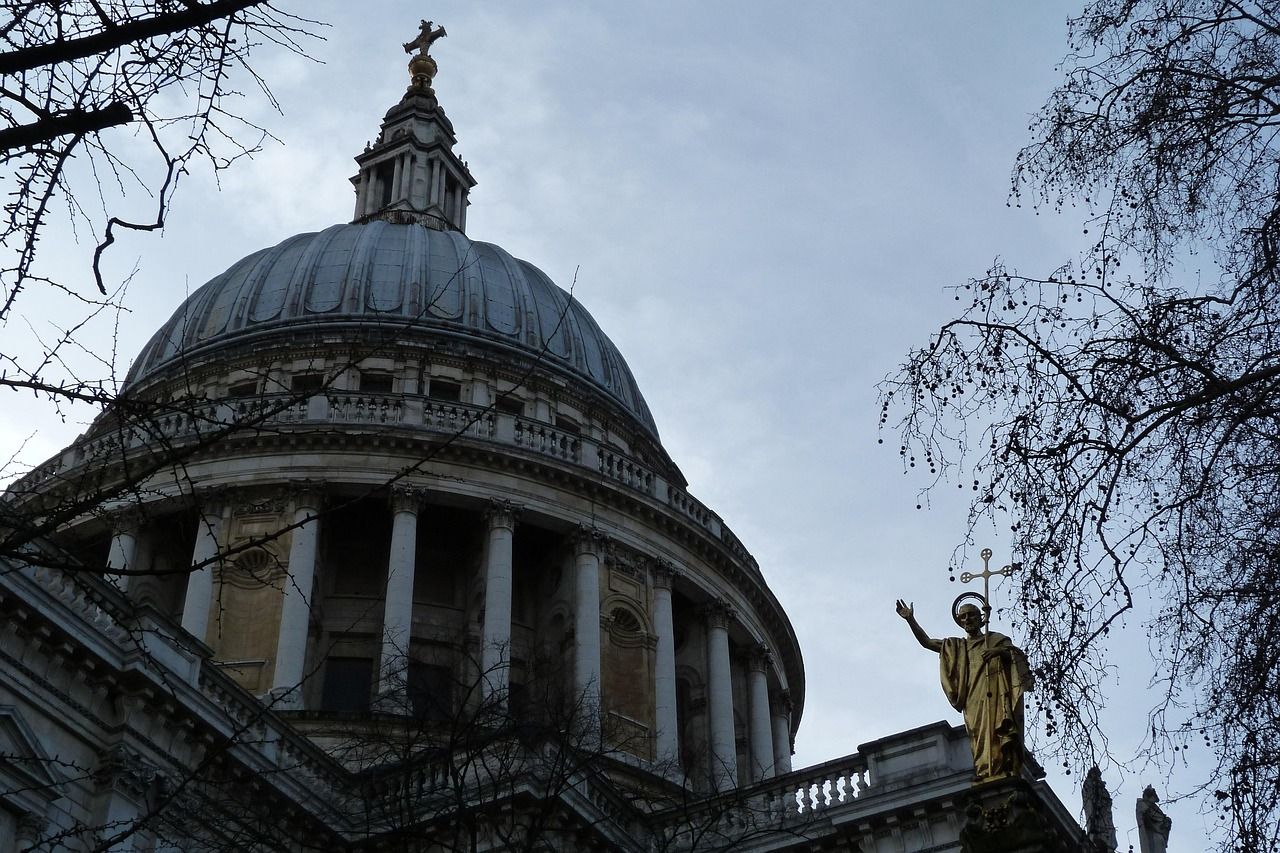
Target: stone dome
[{"x": 392, "y": 277}]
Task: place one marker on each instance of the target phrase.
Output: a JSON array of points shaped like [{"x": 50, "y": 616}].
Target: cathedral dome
[{"x": 379, "y": 278}]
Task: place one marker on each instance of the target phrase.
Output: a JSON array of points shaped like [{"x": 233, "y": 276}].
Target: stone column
[
  {"x": 781, "y": 733},
  {"x": 759, "y": 723},
  {"x": 123, "y": 555},
  {"x": 724, "y": 752},
  {"x": 397, "y": 175},
  {"x": 588, "y": 544},
  {"x": 667, "y": 744},
  {"x": 295, "y": 612},
  {"x": 495, "y": 642},
  {"x": 433, "y": 195},
  {"x": 397, "y": 614},
  {"x": 204, "y": 562}
]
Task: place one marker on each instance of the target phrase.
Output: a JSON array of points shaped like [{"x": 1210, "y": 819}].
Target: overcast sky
[{"x": 764, "y": 205}]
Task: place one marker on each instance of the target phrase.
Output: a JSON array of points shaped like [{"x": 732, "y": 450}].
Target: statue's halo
[{"x": 961, "y": 599}]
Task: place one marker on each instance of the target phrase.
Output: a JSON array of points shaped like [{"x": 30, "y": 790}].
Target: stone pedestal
[{"x": 1008, "y": 816}]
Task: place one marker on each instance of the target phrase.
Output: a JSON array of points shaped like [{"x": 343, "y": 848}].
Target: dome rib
[{"x": 379, "y": 271}]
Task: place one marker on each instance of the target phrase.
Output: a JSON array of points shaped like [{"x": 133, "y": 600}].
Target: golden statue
[{"x": 984, "y": 676}]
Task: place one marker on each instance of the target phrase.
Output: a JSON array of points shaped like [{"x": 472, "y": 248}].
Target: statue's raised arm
[{"x": 908, "y": 612}]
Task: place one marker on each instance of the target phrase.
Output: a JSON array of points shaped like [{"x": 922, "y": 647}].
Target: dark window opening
[
  {"x": 386, "y": 174},
  {"x": 357, "y": 542},
  {"x": 430, "y": 691},
  {"x": 447, "y": 539},
  {"x": 441, "y": 389},
  {"x": 567, "y": 425},
  {"x": 376, "y": 383},
  {"x": 243, "y": 389},
  {"x": 450, "y": 197},
  {"x": 684, "y": 703},
  {"x": 510, "y": 405},
  {"x": 307, "y": 383},
  {"x": 519, "y": 703},
  {"x": 347, "y": 684}
]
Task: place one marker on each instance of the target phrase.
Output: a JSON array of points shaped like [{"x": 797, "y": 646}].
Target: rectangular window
[
  {"x": 430, "y": 691},
  {"x": 376, "y": 383},
  {"x": 248, "y": 388},
  {"x": 386, "y": 174},
  {"x": 510, "y": 405},
  {"x": 307, "y": 383},
  {"x": 442, "y": 389},
  {"x": 347, "y": 684},
  {"x": 567, "y": 425}
]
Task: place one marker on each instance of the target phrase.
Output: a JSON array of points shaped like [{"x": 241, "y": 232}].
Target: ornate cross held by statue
[
  {"x": 984, "y": 676},
  {"x": 986, "y": 574}
]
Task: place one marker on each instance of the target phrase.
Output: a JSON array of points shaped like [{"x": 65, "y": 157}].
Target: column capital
[
  {"x": 126, "y": 518},
  {"x": 307, "y": 493},
  {"x": 759, "y": 658},
  {"x": 211, "y": 500},
  {"x": 588, "y": 539},
  {"x": 406, "y": 498},
  {"x": 31, "y": 828},
  {"x": 502, "y": 513},
  {"x": 663, "y": 572},
  {"x": 780, "y": 703},
  {"x": 717, "y": 613}
]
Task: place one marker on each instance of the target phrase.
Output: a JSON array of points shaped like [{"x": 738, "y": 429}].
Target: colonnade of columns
[
  {"x": 421, "y": 181},
  {"x": 769, "y": 722}
]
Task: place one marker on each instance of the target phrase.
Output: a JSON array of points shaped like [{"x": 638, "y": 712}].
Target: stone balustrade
[
  {"x": 270, "y": 412},
  {"x": 815, "y": 789},
  {"x": 542, "y": 438}
]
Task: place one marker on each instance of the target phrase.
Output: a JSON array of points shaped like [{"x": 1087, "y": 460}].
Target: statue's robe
[{"x": 990, "y": 696}]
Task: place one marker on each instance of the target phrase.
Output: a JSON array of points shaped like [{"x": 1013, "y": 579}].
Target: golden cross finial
[
  {"x": 987, "y": 574},
  {"x": 422, "y": 67},
  {"x": 426, "y": 35}
]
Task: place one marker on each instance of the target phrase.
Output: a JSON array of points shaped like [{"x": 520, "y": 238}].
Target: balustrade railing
[
  {"x": 549, "y": 440},
  {"x": 365, "y": 408},
  {"x": 270, "y": 411},
  {"x": 457, "y": 418},
  {"x": 625, "y": 470},
  {"x": 815, "y": 789}
]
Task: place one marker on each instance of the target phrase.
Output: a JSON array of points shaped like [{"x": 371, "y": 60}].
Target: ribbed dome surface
[{"x": 384, "y": 276}]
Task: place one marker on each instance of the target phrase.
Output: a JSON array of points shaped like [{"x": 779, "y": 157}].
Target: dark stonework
[{"x": 1007, "y": 816}]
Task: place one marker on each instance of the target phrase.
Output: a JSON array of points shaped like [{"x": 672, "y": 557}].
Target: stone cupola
[{"x": 411, "y": 174}]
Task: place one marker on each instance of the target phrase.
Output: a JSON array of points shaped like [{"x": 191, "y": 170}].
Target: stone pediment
[{"x": 24, "y": 765}]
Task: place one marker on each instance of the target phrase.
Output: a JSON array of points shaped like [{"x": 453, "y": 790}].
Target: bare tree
[
  {"x": 104, "y": 106},
  {"x": 1123, "y": 416}
]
